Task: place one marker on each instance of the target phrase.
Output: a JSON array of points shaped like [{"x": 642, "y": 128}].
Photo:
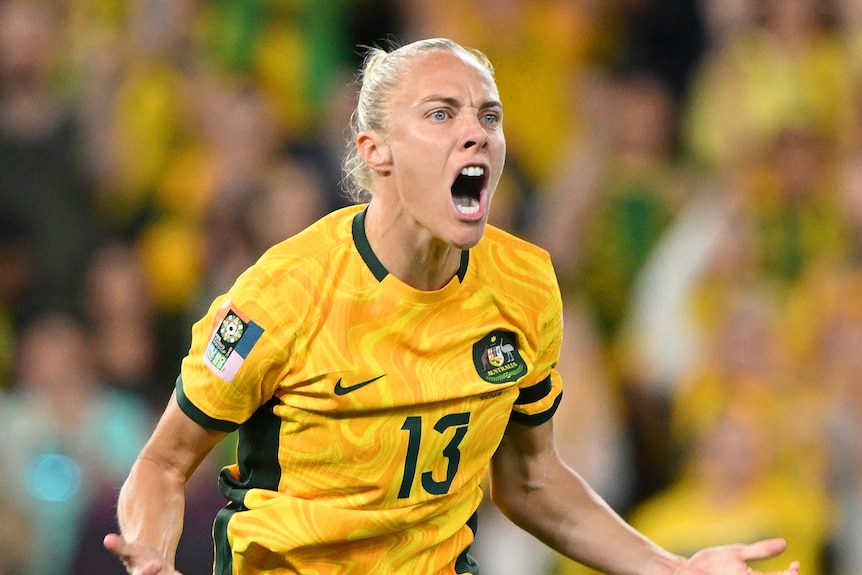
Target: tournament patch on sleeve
[{"x": 233, "y": 337}]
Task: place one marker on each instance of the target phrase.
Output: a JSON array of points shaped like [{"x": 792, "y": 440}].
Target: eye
[
  {"x": 439, "y": 115},
  {"x": 491, "y": 118}
]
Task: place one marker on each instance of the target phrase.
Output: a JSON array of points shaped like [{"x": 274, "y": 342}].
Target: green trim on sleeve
[
  {"x": 536, "y": 418},
  {"x": 199, "y": 416},
  {"x": 535, "y": 392}
]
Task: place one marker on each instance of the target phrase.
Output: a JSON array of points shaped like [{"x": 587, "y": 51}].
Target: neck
[{"x": 409, "y": 252}]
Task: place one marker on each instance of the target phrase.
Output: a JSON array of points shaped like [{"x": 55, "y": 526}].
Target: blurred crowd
[{"x": 694, "y": 167}]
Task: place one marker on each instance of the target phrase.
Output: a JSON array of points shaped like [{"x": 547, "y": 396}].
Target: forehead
[{"x": 448, "y": 75}]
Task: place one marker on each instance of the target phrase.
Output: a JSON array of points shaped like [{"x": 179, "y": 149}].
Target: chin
[{"x": 469, "y": 235}]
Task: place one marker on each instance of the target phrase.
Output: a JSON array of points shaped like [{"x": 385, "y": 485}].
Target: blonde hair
[{"x": 379, "y": 74}]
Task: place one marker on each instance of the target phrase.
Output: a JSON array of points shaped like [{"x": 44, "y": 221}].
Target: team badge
[
  {"x": 233, "y": 337},
  {"x": 497, "y": 359}
]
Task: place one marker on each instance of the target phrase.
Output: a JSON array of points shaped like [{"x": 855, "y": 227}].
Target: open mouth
[{"x": 467, "y": 190}]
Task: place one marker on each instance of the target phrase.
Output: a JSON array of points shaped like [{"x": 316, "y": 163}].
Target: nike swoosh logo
[{"x": 344, "y": 390}]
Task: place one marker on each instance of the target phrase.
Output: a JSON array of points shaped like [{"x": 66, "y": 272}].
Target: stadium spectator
[
  {"x": 44, "y": 180},
  {"x": 66, "y": 436}
]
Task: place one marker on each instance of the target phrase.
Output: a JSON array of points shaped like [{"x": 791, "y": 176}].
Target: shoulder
[
  {"x": 325, "y": 238},
  {"x": 518, "y": 274},
  {"x": 499, "y": 237},
  {"x": 503, "y": 253},
  {"x": 295, "y": 276},
  {"x": 284, "y": 292},
  {"x": 306, "y": 254}
]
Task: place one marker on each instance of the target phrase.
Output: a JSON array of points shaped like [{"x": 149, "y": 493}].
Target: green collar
[{"x": 374, "y": 264}]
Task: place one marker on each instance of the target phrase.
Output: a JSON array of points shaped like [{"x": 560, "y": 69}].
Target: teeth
[
  {"x": 474, "y": 171},
  {"x": 469, "y": 208}
]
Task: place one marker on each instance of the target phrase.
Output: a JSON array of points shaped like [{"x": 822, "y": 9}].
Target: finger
[
  {"x": 116, "y": 545},
  {"x": 793, "y": 570},
  {"x": 126, "y": 551},
  {"x": 156, "y": 568},
  {"x": 763, "y": 549}
]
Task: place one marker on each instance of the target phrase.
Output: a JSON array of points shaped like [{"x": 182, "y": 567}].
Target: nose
[{"x": 474, "y": 133}]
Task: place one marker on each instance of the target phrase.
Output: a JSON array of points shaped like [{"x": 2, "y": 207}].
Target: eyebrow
[{"x": 456, "y": 103}]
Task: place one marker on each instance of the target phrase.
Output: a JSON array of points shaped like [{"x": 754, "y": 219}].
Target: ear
[{"x": 374, "y": 151}]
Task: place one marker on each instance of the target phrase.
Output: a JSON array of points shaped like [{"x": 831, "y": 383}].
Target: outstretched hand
[
  {"x": 138, "y": 559},
  {"x": 731, "y": 559}
]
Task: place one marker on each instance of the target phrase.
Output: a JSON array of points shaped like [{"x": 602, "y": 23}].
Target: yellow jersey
[{"x": 368, "y": 411}]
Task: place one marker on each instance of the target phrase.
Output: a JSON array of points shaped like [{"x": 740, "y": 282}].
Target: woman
[{"x": 378, "y": 363}]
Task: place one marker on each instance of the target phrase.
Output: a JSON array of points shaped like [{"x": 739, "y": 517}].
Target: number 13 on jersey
[{"x": 413, "y": 426}]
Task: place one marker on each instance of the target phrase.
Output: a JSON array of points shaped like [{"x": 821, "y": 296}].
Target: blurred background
[{"x": 694, "y": 167}]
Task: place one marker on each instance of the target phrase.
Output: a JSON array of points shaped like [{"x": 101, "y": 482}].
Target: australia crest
[{"x": 497, "y": 359}]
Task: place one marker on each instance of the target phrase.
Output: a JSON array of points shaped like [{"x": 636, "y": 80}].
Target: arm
[
  {"x": 152, "y": 501},
  {"x": 538, "y": 492}
]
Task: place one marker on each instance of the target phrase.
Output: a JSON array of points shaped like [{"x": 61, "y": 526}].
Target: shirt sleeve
[
  {"x": 234, "y": 360},
  {"x": 538, "y": 401}
]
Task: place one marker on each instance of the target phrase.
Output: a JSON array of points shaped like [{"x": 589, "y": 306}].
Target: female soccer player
[{"x": 380, "y": 363}]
